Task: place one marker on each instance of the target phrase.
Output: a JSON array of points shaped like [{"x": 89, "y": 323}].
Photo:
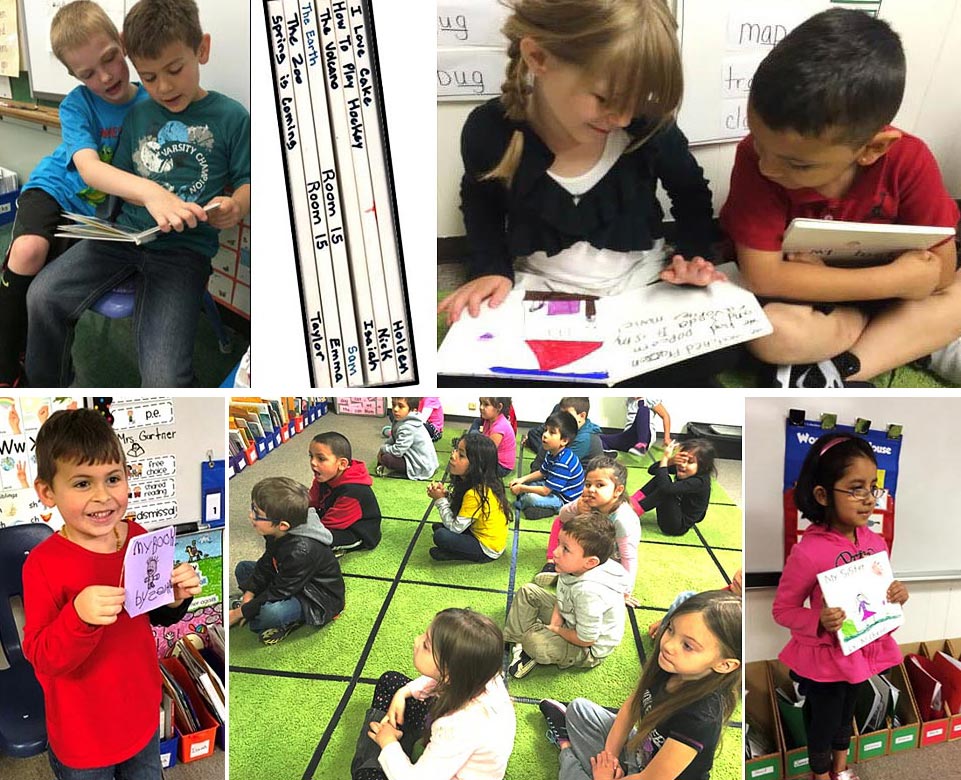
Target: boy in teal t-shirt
[
  {"x": 193, "y": 143},
  {"x": 78, "y": 174}
]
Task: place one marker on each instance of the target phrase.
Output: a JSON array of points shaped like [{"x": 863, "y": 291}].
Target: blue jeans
[
  {"x": 273, "y": 614},
  {"x": 144, "y": 765},
  {"x": 464, "y": 545},
  {"x": 170, "y": 288},
  {"x": 552, "y": 501}
]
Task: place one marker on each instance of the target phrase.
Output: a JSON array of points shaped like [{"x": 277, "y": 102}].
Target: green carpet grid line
[{"x": 352, "y": 688}]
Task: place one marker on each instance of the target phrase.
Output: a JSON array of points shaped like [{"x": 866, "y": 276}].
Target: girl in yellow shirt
[{"x": 474, "y": 514}]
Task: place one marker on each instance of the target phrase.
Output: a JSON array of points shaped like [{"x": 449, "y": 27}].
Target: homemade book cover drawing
[
  {"x": 340, "y": 192},
  {"x": 547, "y": 336},
  {"x": 859, "y": 243},
  {"x": 105, "y": 230},
  {"x": 860, "y": 588}
]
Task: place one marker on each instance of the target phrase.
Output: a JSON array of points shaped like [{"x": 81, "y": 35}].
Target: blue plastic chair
[
  {"x": 120, "y": 301},
  {"x": 23, "y": 730}
]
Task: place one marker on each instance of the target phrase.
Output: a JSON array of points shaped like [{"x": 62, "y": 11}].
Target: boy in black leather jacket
[{"x": 297, "y": 580}]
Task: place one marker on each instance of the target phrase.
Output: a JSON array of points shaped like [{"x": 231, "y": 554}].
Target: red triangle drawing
[{"x": 554, "y": 354}]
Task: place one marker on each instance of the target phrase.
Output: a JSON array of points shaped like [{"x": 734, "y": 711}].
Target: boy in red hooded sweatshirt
[{"x": 342, "y": 494}]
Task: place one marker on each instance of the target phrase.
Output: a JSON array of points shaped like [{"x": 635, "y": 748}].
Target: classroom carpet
[
  {"x": 105, "y": 350},
  {"x": 296, "y": 707},
  {"x": 747, "y": 373}
]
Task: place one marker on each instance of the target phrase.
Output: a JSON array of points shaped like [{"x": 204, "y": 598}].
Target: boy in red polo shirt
[
  {"x": 821, "y": 146},
  {"x": 97, "y": 665}
]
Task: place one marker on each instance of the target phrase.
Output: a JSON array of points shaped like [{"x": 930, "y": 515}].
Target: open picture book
[
  {"x": 105, "y": 230},
  {"x": 535, "y": 335},
  {"x": 859, "y": 243}
]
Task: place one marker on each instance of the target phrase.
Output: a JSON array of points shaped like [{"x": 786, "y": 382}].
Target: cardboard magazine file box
[
  {"x": 250, "y": 454},
  {"x": 237, "y": 464},
  {"x": 168, "y": 750},
  {"x": 298, "y": 421},
  {"x": 761, "y": 710},
  {"x": 953, "y": 647},
  {"x": 285, "y": 432},
  {"x": 871, "y": 744},
  {"x": 932, "y": 731},
  {"x": 931, "y": 649},
  {"x": 796, "y": 762},
  {"x": 906, "y": 736},
  {"x": 198, "y": 744}
]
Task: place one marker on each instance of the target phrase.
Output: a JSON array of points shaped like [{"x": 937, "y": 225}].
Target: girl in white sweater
[{"x": 458, "y": 707}]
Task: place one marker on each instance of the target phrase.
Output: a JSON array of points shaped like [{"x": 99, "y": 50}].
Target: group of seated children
[
  {"x": 169, "y": 149},
  {"x": 592, "y": 558}
]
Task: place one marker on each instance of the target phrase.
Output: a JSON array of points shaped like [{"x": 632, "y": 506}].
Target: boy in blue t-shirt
[
  {"x": 78, "y": 175},
  {"x": 193, "y": 143},
  {"x": 560, "y": 478}
]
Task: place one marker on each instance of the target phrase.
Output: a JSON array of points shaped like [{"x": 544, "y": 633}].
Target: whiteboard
[
  {"x": 227, "y": 71},
  {"x": 166, "y": 441},
  {"x": 927, "y": 537},
  {"x": 723, "y": 41}
]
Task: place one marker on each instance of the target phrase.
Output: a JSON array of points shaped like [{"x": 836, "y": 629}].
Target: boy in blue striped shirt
[{"x": 560, "y": 478}]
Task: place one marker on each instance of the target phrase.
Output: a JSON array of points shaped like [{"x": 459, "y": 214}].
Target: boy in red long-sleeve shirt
[
  {"x": 97, "y": 665},
  {"x": 342, "y": 494}
]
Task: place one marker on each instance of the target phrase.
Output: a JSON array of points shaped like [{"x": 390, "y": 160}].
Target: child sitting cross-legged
[
  {"x": 297, "y": 580},
  {"x": 584, "y": 622},
  {"x": 559, "y": 479},
  {"x": 409, "y": 449},
  {"x": 342, "y": 494},
  {"x": 474, "y": 518}
]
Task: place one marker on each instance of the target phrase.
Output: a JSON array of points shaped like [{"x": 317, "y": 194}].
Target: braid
[{"x": 515, "y": 93}]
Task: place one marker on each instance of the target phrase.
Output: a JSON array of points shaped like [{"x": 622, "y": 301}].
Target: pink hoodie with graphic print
[{"x": 813, "y": 652}]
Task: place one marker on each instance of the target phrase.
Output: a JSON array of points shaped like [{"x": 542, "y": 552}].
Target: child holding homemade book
[
  {"x": 191, "y": 142},
  {"x": 836, "y": 490},
  {"x": 561, "y": 170},
  {"x": 822, "y": 146},
  {"x": 78, "y": 175},
  {"x": 97, "y": 665}
]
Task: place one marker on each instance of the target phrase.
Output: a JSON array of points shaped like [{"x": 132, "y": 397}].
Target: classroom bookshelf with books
[{"x": 256, "y": 426}]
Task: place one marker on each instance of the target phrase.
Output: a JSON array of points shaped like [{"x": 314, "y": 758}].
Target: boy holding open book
[
  {"x": 193, "y": 143},
  {"x": 821, "y": 146},
  {"x": 77, "y": 176}
]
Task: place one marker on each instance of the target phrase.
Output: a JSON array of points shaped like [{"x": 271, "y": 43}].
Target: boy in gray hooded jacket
[
  {"x": 584, "y": 623},
  {"x": 409, "y": 450}
]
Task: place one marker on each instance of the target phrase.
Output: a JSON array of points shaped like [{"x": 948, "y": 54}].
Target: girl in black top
[
  {"x": 561, "y": 169},
  {"x": 671, "y": 724},
  {"x": 682, "y": 502}
]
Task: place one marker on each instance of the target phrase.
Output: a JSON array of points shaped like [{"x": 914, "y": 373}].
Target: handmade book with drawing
[
  {"x": 535, "y": 335},
  {"x": 860, "y": 588},
  {"x": 105, "y": 230},
  {"x": 859, "y": 243}
]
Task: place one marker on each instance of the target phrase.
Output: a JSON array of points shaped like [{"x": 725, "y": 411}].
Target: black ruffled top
[{"x": 620, "y": 212}]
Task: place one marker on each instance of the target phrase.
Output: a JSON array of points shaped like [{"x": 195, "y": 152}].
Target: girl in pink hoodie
[{"x": 835, "y": 490}]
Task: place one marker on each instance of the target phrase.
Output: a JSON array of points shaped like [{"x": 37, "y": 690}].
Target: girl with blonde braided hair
[{"x": 561, "y": 170}]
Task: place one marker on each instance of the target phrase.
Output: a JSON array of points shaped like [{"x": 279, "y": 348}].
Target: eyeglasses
[
  {"x": 861, "y": 494},
  {"x": 258, "y": 518}
]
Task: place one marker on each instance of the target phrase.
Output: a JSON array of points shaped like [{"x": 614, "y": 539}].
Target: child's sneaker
[
  {"x": 440, "y": 554},
  {"x": 273, "y": 636},
  {"x": 522, "y": 665},
  {"x": 546, "y": 576},
  {"x": 610, "y": 454},
  {"x": 538, "y": 512},
  {"x": 555, "y": 714},
  {"x": 382, "y": 470},
  {"x": 638, "y": 449},
  {"x": 845, "y": 774},
  {"x": 825, "y": 373}
]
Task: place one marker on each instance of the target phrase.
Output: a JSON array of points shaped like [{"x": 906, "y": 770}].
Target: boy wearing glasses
[{"x": 297, "y": 580}]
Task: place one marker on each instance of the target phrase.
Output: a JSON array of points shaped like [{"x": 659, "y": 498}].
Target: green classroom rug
[{"x": 296, "y": 707}]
